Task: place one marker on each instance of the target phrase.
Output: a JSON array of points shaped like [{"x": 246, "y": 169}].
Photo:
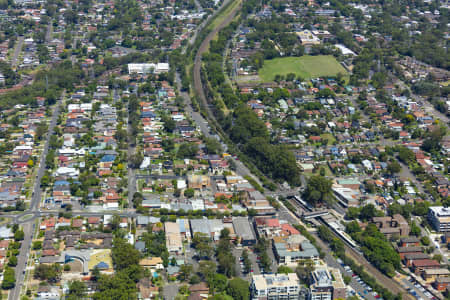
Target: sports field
[{"x": 306, "y": 67}]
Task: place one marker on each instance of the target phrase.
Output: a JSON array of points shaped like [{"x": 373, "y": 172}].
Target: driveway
[{"x": 170, "y": 291}]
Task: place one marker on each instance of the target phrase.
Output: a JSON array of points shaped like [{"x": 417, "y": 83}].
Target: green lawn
[
  {"x": 223, "y": 15},
  {"x": 306, "y": 67},
  {"x": 328, "y": 137}
]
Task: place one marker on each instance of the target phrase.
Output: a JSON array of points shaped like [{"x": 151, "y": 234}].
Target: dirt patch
[
  {"x": 75, "y": 266},
  {"x": 248, "y": 78}
]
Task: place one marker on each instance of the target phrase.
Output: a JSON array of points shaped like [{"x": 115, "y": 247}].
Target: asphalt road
[
  {"x": 411, "y": 286},
  {"x": 381, "y": 278},
  {"x": 48, "y": 33},
  {"x": 241, "y": 169},
  {"x": 201, "y": 123},
  {"x": 27, "y": 226},
  {"x": 131, "y": 172},
  {"x": 332, "y": 262},
  {"x": 17, "y": 51},
  {"x": 22, "y": 260},
  {"x": 170, "y": 291}
]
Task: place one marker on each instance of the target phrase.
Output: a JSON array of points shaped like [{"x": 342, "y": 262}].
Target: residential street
[
  {"x": 131, "y": 171},
  {"x": 28, "y": 226},
  {"x": 17, "y": 50}
]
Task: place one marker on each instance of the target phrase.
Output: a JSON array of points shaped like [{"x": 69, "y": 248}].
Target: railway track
[
  {"x": 359, "y": 258},
  {"x": 198, "y": 84}
]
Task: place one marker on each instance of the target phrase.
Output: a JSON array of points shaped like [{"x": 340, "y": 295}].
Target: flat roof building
[
  {"x": 174, "y": 242},
  {"x": 275, "y": 287},
  {"x": 209, "y": 227},
  {"x": 292, "y": 249},
  {"x": 244, "y": 231},
  {"x": 439, "y": 218},
  {"x": 327, "y": 284}
]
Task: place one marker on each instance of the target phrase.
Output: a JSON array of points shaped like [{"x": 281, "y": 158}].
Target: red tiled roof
[{"x": 272, "y": 223}]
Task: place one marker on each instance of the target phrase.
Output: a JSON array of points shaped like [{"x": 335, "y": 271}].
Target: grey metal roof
[{"x": 243, "y": 229}]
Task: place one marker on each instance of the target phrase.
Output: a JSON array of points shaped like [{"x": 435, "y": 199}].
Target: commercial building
[
  {"x": 346, "y": 196},
  {"x": 292, "y": 249},
  {"x": 147, "y": 68},
  {"x": 174, "y": 242},
  {"x": 439, "y": 218},
  {"x": 327, "y": 284},
  {"x": 244, "y": 231},
  {"x": 275, "y": 287},
  {"x": 208, "y": 227},
  {"x": 307, "y": 38}
]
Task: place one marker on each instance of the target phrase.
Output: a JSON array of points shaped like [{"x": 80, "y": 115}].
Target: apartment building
[
  {"x": 327, "y": 285},
  {"x": 174, "y": 242},
  {"x": 392, "y": 226},
  {"x": 275, "y": 287},
  {"x": 439, "y": 218}
]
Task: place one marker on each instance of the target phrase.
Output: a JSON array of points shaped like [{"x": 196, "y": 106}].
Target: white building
[
  {"x": 367, "y": 165},
  {"x": 66, "y": 171},
  {"x": 307, "y": 37},
  {"x": 145, "y": 163},
  {"x": 439, "y": 218},
  {"x": 275, "y": 287},
  {"x": 174, "y": 242},
  {"x": 146, "y": 68},
  {"x": 327, "y": 285}
]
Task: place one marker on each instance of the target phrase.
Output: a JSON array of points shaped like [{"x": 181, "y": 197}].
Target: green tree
[
  {"x": 189, "y": 192},
  {"x": 187, "y": 150},
  {"x": 12, "y": 262},
  {"x": 247, "y": 262},
  {"x": 115, "y": 222},
  {"x": 415, "y": 230},
  {"x": 116, "y": 287},
  {"x": 394, "y": 167},
  {"x": 238, "y": 288},
  {"x": 206, "y": 269},
  {"x": 77, "y": 290},
  {"x": 284, "y": 270},
  {"x": 37, "y": 245},
  {"x": 368, "y": 212},
  {"x": 425, "y": 240},
  {"x": 49, "y": 273},
  {"x": 318, "y": 191},
  {"x": 217, "y": 283},
  {"x": 19, "y": 235},
  {"x": 406, "y": 155},
  {"x": 9, "y": 279},
  {"x": 136, "y": 160},
  {"x": 185, "y": 272},
  {"x": 438, "y": 257},
  {"x": 124, "y": 254},
  {"x": 212, "y": 146},
  {"x": 169, "y": 123},
  {"x": 304, "y": 270}
]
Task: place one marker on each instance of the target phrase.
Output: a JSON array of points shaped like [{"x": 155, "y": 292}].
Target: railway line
[{"x": 353, "y": 251}]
